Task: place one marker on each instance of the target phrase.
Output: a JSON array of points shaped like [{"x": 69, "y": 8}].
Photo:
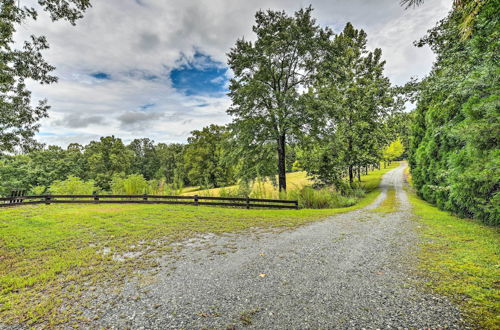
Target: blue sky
[
  {"x": 209, "y": 78},
  {"x": 101, "y": 75},
  {"x": 157, "y": 68}
]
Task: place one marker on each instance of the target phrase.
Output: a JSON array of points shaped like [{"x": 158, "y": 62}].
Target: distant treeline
[
  {"x": 206, "y": 161},
  {"x": 198, "y": 163}
]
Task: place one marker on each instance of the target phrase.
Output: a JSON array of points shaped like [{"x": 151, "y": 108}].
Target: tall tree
[
  {"x": 145, "y": 159},
  {"x": 349, "y": 103},
  {"x": 454, "y": 147},
  {"x": 270, "y": 76},
  {"x": 171, "y": 161},
  {"x": 18, "y": 118},
  {"x": 105, "y": 158},
  {"x": 466, "y": 9},
  {"x": 41, "y": 167},
  {"x": 204, "y": 157}
]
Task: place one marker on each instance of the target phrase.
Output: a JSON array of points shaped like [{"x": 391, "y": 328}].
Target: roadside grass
[
  {"x": 50, "y": 255},
  {"x": 461, "y": 259}
]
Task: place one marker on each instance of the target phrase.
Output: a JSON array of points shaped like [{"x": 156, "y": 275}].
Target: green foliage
[
  {"x": 161, "y": 187},
  {"x": 349, "y": 106},
  {"x": 297, "y": 166},
  {"x": 454, "y": 155},
  {"x": 18, "y": 117},
  {"x": 467, "y": 10},
  {"x": 399, "y": 124},
  {"x": 107, "y": 157},
  {"x": 13, "y": 173},
  {"x": 145, "y": 159},
  {"x": 133, "y": 184},
  {"x": 40, "y": 167},
  {"x": 38, "y": 190},
  {"x": 393, "y": 151},
  {"x": 325, "y": 198},
  {"x": 171, "y": 163},
  {"x": 72, "y": 186},
  {"x": 270, "y": 76},
  {"x": 204, "y": 157}
]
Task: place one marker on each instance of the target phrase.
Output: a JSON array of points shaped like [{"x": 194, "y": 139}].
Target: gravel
[{"x": 350, "y": 271}]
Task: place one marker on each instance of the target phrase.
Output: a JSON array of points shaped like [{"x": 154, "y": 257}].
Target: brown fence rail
[{"x": 150, "y": 199}]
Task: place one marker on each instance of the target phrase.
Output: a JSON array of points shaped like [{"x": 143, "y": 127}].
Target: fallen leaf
[
  {"x": 262, "y": 254},
  {"x": 262, "y": 275}
]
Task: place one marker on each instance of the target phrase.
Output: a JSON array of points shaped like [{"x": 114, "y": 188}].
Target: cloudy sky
[{"x": 157, "y": 68}]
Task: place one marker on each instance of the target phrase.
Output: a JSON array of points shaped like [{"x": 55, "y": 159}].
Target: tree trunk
[
  {"x": 351, "y": 174},
  {"x": 359, "y": 173},
  {"x": 281, "y": 163}
]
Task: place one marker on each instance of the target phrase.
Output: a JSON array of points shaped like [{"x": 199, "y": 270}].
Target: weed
[{"x": 246, "y": 317}]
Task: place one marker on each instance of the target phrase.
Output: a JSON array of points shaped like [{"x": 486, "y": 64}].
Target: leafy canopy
[
  {"x": 271, "y": 74},
  {"x": 18, "y": 118}
]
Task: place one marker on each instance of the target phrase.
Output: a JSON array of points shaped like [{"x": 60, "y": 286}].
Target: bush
[
  {"x": 134, "y": 184},
  {"x": 321, "y": 198},
  {"x": 72, "y": 186},
  {"x": 160, "y": 187},
  {"x": 454, "y": 154},
  {"x": 38, "y": 190}
]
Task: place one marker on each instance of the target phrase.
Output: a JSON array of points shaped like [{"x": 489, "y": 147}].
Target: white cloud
[{"x": 138, "y": 42}]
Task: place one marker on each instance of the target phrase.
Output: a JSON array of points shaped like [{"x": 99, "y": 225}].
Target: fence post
[
  {"x": 145, "y": 198},
  {"x": 13, "y": 194},
  {"x": 96, "y": 199},
  {"x": 248, "y": 203},
  {"x": 296, "y": 205},
  {"x": 47, "y": 200},
  {"x": 196, "y": 200}
]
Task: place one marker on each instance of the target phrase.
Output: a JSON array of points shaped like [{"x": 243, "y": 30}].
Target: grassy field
[
  {"x": 295, "y": 180},
  {"x": 50, "y": 254},
  {"x": 461, "y": 259}
]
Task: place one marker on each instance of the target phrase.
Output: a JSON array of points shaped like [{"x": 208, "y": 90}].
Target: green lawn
[
  {"x": 51, "y": 253},
  {"x": 461, "y": 259}
]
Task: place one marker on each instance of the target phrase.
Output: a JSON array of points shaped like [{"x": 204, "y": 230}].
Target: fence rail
[{"x": 150, "y": 199}]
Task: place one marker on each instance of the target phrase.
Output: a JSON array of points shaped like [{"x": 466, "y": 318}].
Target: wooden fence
[{"x": 150, "y": 199}]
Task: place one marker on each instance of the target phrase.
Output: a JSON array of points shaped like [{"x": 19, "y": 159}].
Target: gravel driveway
[{"x": 350, "y": 271}]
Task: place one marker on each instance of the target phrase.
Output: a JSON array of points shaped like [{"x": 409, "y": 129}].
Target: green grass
[
  {"x": 389, "y": 204},
  {"x": 50, "y": 254},
  {"x": 295, "y": 180},
  {"x": 460, "y": 257}
]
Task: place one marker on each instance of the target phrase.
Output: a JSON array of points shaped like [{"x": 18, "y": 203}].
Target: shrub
[
  {"x": 72, "y": 186},
  {"x": 134, "y": 184},
  {"x": 38, "y": 190},
  {"x": 321, "y": 198},
  {"x": 160, "y": 187},
  {"x": 454, "y": 154}
]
